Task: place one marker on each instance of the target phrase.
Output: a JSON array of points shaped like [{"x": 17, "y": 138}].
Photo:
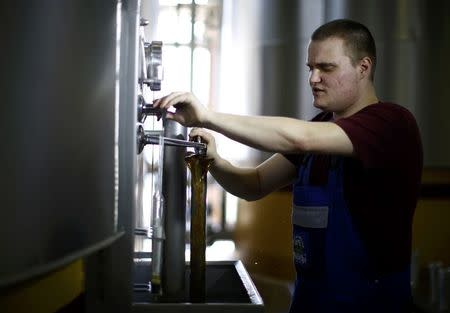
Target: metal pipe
[
  {"x": 174, "y": 191},
  {"x": 154, "y": 140},
  {"x": 149, "y": 137},
  {"x": 158, "y": 236},
  {"x": 157, "y": 224}
]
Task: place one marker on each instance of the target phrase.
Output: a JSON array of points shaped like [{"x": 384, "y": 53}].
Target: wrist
[
  {"x": 208, "y": 119},
  {"x": 216, "y": 161}
]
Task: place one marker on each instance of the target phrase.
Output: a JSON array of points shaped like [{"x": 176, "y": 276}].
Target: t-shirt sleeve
[
  {"x": 296, "y": 158},
  {"x": 382, "y": 135}
]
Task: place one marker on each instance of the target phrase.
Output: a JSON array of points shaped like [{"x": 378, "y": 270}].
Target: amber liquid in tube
[{"x": 198, "y": 165}]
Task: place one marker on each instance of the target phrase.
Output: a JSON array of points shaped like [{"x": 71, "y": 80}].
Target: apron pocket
[{"x": 310, "y": 221}]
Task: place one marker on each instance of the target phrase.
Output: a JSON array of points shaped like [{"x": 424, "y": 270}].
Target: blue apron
[{"x": 334, "y": 271}]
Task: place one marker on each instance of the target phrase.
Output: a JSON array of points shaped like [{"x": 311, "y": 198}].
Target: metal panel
[
  {"x": 58, "y": 126},
  {"x": 109, "y": 272}
]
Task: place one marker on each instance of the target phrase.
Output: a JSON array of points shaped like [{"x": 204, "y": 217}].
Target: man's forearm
[
  {"x": 241, "y": 182},
  {"x": 268, "y": 133},
  {"x": 281, "y": 134}
]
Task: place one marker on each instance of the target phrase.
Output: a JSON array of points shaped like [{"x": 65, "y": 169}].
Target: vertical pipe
[
  {"x": 138, "y": 208},
  {"x": 174, "y": 192},
  {"x": 158, "y": 213}
]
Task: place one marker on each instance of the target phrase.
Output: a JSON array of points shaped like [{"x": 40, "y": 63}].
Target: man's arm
[
  {"x": 268, "y": 133},
  {"x": 282, "y": 134},
  {"x": 247, "y": 183},
  {"x": 254, "y": 183}
]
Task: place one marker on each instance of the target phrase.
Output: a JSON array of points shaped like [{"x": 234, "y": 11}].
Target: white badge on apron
[{"x": 310, "y": 216}]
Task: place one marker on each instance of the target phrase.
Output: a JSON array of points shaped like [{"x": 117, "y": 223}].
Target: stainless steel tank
[{"x": 58, "y": 125}]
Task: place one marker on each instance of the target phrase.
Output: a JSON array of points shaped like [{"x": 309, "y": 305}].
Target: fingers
[
  {"x": 189, "y": 111},
  {"x": 172, "y": 99},
  {"x": 206, "y": 136},
  {"x": 170, "y": 116}
]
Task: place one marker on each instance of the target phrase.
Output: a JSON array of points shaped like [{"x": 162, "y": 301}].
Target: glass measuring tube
[
  {"x": 198, "y": 165},
  {"x": 157, "y": 224}
]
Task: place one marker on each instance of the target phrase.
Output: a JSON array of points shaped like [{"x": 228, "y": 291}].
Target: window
[{"x": 190, "y": 31}]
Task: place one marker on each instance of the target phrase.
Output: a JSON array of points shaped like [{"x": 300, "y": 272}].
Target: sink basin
[{"x": 229, "y": 288}]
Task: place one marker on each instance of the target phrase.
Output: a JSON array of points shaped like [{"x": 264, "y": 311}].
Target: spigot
[
  {"x": 144, "y": 109},
  {"x": 199, "y": 149},
  {"x": 147, "y": 138}
]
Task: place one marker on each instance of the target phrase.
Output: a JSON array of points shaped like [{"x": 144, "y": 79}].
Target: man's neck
[{"x": 369, "y": 98}]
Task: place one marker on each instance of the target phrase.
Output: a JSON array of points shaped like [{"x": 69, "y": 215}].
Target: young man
[{"x": 355, "y": 170}]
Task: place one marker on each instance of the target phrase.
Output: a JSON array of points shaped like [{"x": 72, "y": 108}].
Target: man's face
[{"x": 333, "y": 79}]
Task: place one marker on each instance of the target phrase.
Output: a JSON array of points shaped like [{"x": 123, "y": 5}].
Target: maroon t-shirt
[{"x": 382, "y": 181}]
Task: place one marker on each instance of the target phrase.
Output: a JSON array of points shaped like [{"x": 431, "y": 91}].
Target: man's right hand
[{"x": 189, "y": 111}]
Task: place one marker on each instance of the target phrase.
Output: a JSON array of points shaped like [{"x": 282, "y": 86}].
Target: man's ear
[{"x": 365, "y": 67}]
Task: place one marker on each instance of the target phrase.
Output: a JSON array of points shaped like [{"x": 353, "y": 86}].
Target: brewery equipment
[
  {"x": 75, "y": 84},
  {"x": 163, "y": 280}
]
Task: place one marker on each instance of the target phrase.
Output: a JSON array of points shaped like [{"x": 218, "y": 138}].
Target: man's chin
[{"x": 319, "y": 105}]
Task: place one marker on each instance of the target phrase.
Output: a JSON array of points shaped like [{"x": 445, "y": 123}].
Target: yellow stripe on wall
[{"x": 47, "y": 294}]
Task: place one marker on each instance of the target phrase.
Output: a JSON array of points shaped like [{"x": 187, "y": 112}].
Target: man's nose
[{"x": 314, "y": 76}]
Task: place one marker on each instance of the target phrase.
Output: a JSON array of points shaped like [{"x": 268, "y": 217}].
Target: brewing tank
[{"x": 58, "y": 126}]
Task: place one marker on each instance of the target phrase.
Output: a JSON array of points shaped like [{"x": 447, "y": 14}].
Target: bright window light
[
  {"x": 202, "y": 74},
  {"x": 184, "y": 27},
  {"x": 166, "y": 21},
  {"x": 173, "y": 2},
  {"x": 177, "y": 69},
  {"x": 199, "y": 30}
]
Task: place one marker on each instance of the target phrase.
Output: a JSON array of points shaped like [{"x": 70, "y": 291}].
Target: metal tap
[
  {"x": 199, "y": 149},
  {"x": 144, "y": 109},
  {"x": 145, "y": 138}
]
